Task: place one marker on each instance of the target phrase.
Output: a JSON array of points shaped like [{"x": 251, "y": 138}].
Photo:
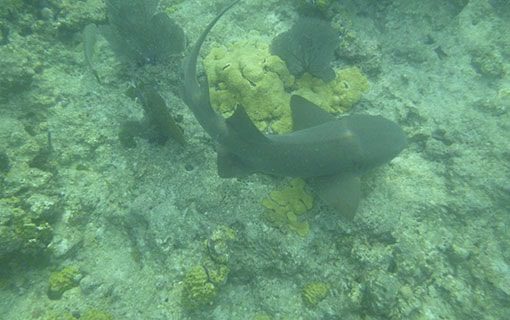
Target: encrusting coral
[
  {"x": 198, "y": 289},
  {"x": 285, "y": 205},
  {"x": 337, "y": 96},
  {"x": 314, "y": 292},
  {"x": 62, "y": 281},
  {"x": 202, "y": 282}
]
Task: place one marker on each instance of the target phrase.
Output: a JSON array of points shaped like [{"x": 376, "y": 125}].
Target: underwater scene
[{"x": 258, "y": 160}]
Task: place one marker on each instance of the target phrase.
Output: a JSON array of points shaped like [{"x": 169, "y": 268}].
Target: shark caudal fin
[{"x": 195, "y": 94}]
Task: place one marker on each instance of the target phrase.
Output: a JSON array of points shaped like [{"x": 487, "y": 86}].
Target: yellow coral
[
  {"x": 62, "y": 281},
  {"x": 284, "y": 206},
  {"x": 94, "y": 314},
  {"x": 218, "y": 244},
  {"x": 248, "y": 75},
  {"x": 262, "y": 316},
  {"x": 198, "y": 290},
  {"x": 217, "y": 273},
  {"x": 336, "y": 96},
  {"x": 314, "y": 292}
]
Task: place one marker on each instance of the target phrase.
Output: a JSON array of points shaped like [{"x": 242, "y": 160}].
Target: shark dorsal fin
[
  {"x": 305, "y": 114},
  {"x": 242, "y": 125}
]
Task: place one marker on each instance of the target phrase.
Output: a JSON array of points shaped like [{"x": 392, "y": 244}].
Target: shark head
[{"x": 380, "y": 139}]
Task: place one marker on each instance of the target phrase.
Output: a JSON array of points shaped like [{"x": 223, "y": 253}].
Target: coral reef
[
  {"x": 10, "y": 7},
  {"x": 29, "y": 202},
  {"x": 57, "y": 316},
  {"x": 247, "y": 74},
  {"x": 93, "y": 314},
  {"x": 5, "y": 164},
  {"x": 139, "y": 35},
  {"x": 202, "y": 282},
  {"x": 63, "y": 280},
  {"x": 284, "y": 207},
  {"x": 488, "y": 62},
  {"x": 158, "y": 124},
  {"x": 21, "y": 232},
  {"x": 336, "y": 96},
  {"x": 17, "y": 72},
  {"x": 380, "y": 295},
  {"x": 218, "y": 244},
  {"x": 72, "y": 16},
  {"x": 315, "y": 8},
  {"x": 262, "y": 316},
  {"x": 90, "y": 314},
  {"x": 50, "y": 18},
  {"x": 198, "y": 289},
  {"x": 314, "y": 292}
]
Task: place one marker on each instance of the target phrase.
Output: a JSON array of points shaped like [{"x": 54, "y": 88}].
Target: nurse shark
[{"x": 331, "y": 153}]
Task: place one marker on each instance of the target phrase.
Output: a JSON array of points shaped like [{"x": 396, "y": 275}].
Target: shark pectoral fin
[
  {"x": 242, "y": 125},
  {"x": 305, "y": 114},
  {"x": 229, "y": 165},
  {"x": 341, "y": 192}
]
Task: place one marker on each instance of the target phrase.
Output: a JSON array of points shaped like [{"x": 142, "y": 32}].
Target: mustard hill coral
[
  {"x": 337, "y": 96},
  {"x": 218, "y": 244},
  {"x": 284, "y": 206},
  {"x": 198, "y": 290},
  {"x": 94, "y": 314},
  {"x": 202, "y": 282},
  {"x": 248, "y": 75},
  {"x": 63, "y": 280},
  {"x": 245, "y": 73},
  {"x": 314, "y": 292}
]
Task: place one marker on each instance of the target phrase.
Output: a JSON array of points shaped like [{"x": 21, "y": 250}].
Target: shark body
[{"x": 332, "y": 152}]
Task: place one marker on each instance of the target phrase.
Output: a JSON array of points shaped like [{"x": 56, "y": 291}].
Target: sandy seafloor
[{"x": 431, "y": 239}]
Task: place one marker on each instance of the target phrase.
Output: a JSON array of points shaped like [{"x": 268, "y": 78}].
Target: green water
[{"x": 94, "y": 228}]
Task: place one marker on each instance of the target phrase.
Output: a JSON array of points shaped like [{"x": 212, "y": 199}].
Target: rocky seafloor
[{"x": 90, "y": 229}]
